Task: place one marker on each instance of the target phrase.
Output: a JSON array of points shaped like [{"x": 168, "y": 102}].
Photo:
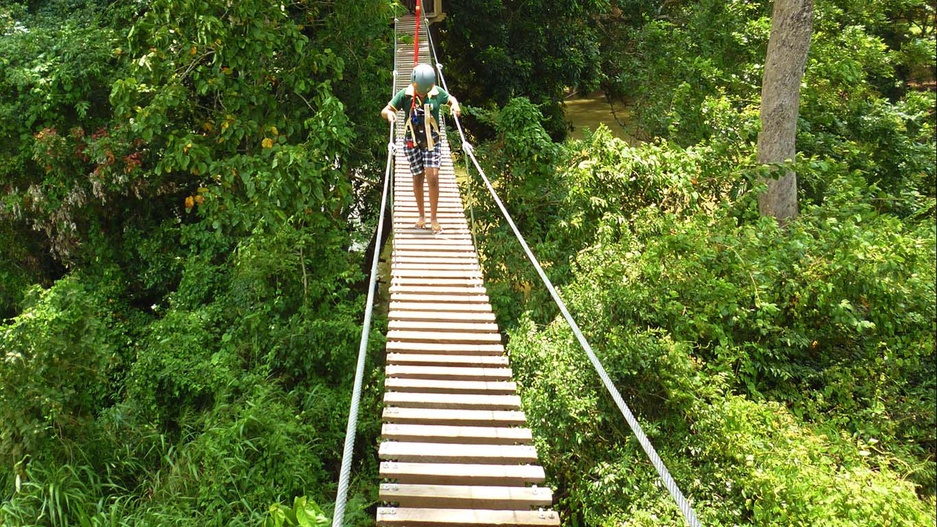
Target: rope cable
[
  {"x": 468, "y": 179},
  {"x": 685, "y": 507},
  {"x": 341, "y": 498},
  {"x": 655, "y": 459}
]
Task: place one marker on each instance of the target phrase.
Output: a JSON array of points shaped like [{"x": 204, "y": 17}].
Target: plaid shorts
[{"x": 421, "y": 159}]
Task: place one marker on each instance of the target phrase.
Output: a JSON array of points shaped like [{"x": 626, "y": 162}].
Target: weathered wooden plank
[
  {"x": 447, "y": 336},
  {"x": 447, "y": 292},
  {"x": 429, "y": 416},
  {"x": 452, "y": 401},
  {"x": 455, "y": 308},
  {"x": 448, "y": 373},
  {"x": 440, "y": 270},
  {"x": 465, "y": 281},
  {"x": 436, "y": 244},
  {"x": 447, "y": 313},
  {"x": 492, "y": 435},
  {"x": 470, "y": 360},
  {"x": 424, "y": 259},
  {"x": 476, "y": 361},
  {"x": 442, "y": 327},
  {"x": 461, "y": 473},
  {"x": 434, "y": 258},
  {"x": 474, "y": 286},
  {"x": 401, "y": 346},
  {"x": 465, "y": 497},
  {"x": 401, "y": 295},
  {"x": 414, "y": 517},
  {"x": 452, "y": 233},
  {"x": 446, "y": 386},
  {"x": 407, "y": 452}
]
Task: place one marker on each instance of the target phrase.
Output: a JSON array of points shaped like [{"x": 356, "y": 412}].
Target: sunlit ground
[{"x": 589, "y": 112}]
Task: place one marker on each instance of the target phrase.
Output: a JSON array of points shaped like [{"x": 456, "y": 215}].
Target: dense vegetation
[
  {"x": 183, "y": 184},
  {"x": 786, "y": 375},
  {"x": 182, "y": 305}
]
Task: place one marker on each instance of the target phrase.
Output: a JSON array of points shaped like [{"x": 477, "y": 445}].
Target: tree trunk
[{"x": 791, "y": 26}]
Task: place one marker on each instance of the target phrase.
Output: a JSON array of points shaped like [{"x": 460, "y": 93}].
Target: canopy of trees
[{"x": 184, "y": 187}]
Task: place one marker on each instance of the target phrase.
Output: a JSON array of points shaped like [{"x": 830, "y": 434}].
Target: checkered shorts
[{"x": 421, "y": 159}]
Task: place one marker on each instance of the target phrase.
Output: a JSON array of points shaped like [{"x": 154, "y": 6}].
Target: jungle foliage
[
  {"x": 180, "y": 299},
  {"x": 184, "y": 184},
  {"x": 786, "y": 375}
]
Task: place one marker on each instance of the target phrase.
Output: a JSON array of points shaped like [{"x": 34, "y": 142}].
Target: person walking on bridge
[{"x": 421, "y": 101}]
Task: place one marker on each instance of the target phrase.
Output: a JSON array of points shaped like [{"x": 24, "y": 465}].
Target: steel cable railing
[
  {"x": 341, "y": 498},
  {"x": 685, "y": 508}
]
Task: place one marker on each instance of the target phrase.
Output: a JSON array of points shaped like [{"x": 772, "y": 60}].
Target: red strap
[{"x": 416, "y": 35}]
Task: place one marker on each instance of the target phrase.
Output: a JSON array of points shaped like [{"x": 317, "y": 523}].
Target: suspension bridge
[{"x": 455, "y": 448}]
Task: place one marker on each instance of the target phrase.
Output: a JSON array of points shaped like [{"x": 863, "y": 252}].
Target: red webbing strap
[{"x": 416, "y": 35}]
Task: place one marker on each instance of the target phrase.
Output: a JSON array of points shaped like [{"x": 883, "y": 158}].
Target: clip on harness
[{"x": 414, "y": 129}]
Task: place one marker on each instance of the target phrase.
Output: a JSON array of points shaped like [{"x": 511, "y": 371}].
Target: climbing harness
[{"x": 422, "y": 130}]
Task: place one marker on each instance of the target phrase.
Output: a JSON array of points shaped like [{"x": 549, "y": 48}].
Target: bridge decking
[{"x": 455, "y": 449}]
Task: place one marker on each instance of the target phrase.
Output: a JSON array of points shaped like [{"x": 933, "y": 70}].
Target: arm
[{"x": 389, "y": 113}]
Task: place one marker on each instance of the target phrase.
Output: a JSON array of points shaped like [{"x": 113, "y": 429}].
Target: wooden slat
[
  {"x": 390, "y": 516},
  {"x": 404, "y": 451},
  {"x": 425, "y": 259},
  {"x": 452, "y": 401},
  {"x": 441, "y": 262},
  {"x": 445, "y": 327},
  {"x": 488, "y": 361},
  {"x": 430, "y": 272},
  {"x": 417, "y": 296},
  {"x": 437, "y": 386},
  {"x": 439, "y": 336},
  {"x": 455, "y": 315},
  {"x": 448, "y": 373},
  {"x": 461, "y": 473},
  {"x": 492, "y": 435},
  {"x": 462, "y": 281},
  {"x": 429, "y": 416},
  {"x": 441, "y": 291},
  {"x": 438, "y": 242},
  {"x": 465, "y": 497},
  {"x": 472, "y": 348}
]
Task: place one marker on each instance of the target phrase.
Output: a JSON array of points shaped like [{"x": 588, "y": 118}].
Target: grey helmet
[{"x": 424, "y": 77}]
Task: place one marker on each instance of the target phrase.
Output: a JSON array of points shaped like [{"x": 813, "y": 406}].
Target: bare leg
[
  {"x": 418, "y": 196},
  {"x": 432, "y": 177}
]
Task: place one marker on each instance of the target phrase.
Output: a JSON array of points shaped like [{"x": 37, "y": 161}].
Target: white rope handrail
[
  {"x": 338, "y": 516},
  {"x": 684, "y": 505}
]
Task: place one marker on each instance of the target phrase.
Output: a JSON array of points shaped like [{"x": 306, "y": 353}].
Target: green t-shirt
[{"x": 434, "y": 98}]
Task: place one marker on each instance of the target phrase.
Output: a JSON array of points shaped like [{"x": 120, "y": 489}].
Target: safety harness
[{"x": 421, "y": 126}]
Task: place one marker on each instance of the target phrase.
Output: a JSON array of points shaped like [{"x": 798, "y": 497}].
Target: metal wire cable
[
  {"x": 468, "y": 178},
  {"x": 649, "y": 449},
  {"x": 658, "y": 463},
  {"x": 341, "y": 498}
]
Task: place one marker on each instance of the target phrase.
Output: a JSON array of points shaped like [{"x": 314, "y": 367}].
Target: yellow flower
[{"x": 267, "y": 143}]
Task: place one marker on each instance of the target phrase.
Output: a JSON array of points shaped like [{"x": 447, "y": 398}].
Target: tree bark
[{"x": 791, "y": 28}]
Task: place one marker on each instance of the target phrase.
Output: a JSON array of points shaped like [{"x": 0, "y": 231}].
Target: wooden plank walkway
[{"x": 455, "y": 448}]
